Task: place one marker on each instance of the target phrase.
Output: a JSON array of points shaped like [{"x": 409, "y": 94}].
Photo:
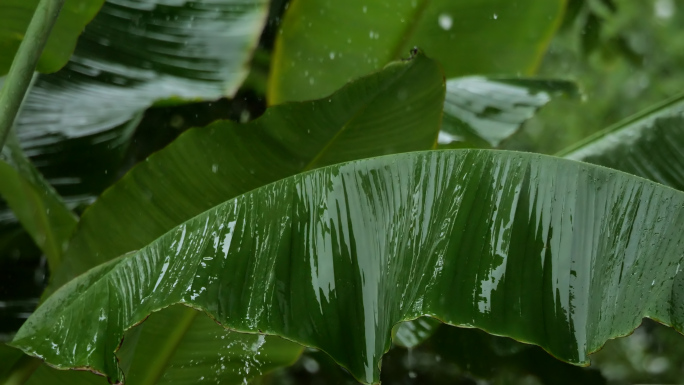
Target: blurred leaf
[
  {"x": 649, "y": 144},
  {"x": 494, "y": 358},
  {"x": 481, "y": 112},
  {"x": 412, "y": 333},
  {"x": 39, "y": 208},
  {"x": 15, "y": 16},
  {"x": 205, "y": 353},
  {"x": 134, "y": 54},
  {"x": 324, "y": 44},
  {"x": 545, "y": 250},
  {"x": 591, "y": 33}
]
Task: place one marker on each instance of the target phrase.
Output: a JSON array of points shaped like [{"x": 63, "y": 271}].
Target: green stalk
[{"x": 24, "y": 64}]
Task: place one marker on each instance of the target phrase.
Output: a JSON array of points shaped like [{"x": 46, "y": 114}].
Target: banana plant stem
[{"x": 24, "y": 64}]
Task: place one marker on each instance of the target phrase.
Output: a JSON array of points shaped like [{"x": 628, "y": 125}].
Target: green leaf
[
  {"x": 15, "y": 16},
  {"x": 38, "y": 207},
  {"x": 324, "y": 44},
  {"x": 648, "y": 144},
  {"x": 133, "y": 55},
  {"x": 203, "y": 352},
  {"x": 548, "y": 251},
  {"x": 395, "y": 110},
  {"x": 482, "y": 111}
]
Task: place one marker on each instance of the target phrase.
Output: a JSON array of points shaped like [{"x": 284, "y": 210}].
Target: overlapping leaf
[
  {"x": 549, "y": 251},
  {"x": 649, "y": 144},
  {"x": 15, "y": 16},
  {"x": 39, "y": 208},
  {"x": 324, "y": 44},
  {"x": 395, "y": 110},
  {"x": 482, "y": 112},
  {"x": 205, "y": 166},
  {"x": 132, "y": 55}
]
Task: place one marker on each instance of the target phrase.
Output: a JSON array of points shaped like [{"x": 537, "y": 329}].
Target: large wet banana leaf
[
  {"x": 212, "y": 164},
  {"x": 323, "y": 44},
  {"x": 15, "y": 16},
  {"x": 649, "y": 144},
  {"x": 548, "y": 251}
]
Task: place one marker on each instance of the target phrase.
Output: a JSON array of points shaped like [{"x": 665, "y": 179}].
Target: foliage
[{"x": 251, "y": 215}]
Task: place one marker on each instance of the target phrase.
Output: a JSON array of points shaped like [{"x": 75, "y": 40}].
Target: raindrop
[
  {"x": 495, "y": 16},
  {"x": 332, "y": 55},
  {"x": 214, "y": 168},
  {"x": 445, "y": 21},
  {"x": 365, "y": 9}
]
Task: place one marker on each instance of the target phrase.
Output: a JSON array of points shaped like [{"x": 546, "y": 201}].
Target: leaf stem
[{"x": 24, "y": 64}]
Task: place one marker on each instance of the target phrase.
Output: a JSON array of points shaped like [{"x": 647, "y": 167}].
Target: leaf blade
[{"x": 547, "y": 203}]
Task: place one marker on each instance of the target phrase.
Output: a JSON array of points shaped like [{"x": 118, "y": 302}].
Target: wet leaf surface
[
  {"x": 481, "y": 112},
  {"x": 548, "y": 251}
]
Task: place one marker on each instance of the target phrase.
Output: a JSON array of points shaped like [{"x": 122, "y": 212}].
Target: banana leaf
[
  {"x": 324, "y": 44},
  {"x": 553, "y": 252},
  {"x": 15, "y": 16}
]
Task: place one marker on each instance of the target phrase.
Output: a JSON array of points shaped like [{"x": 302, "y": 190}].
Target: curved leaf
[
  {"x": 395, "y": 110},
  {"x": 39, "y": 208},
  {"x": 324, "y": 44},
  {"x": 649, "y": 144},
  {"x": 209, "y": 165},
  {"x": 15, "y": 16},
  {"x": 484, "y": 111},
  {"x": 132, "y": 55},
  {"x": 548, "y": 251}
]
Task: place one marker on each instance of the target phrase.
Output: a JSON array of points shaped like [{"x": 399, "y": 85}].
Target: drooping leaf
[
  {"x": 209, "y": 165},
  {"x": 649, "y": 144},
  {"x": 39, "y": 208},
  {"x": 15, "y": 16},
  {"x": 481, "y": 112},
  {"x": 395, "y": 110},
  {"x": 548, "y": 251},
  {"x": 324, "y": 44}
]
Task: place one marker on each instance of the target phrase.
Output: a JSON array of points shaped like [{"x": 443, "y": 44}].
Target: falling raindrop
[
  {"x": 495, "y": 16},
  {"x": 332, "y": 55},
  {"x": 445, "y": 21}
]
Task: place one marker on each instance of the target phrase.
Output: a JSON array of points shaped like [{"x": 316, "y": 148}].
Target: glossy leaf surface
[
  {"x": 649, "y": 144},
  {"x": 131, "y": 56},
  {"x": 38, "y": 207},
  {"x": 209, "y": 165},
  {"x": 548, "y": 251},
  {"x": 324, "y": 44},
  {"x": 15, "y": 16},
  {"x": 395, "y": 110},
  {"x": 484, "y": 111}
]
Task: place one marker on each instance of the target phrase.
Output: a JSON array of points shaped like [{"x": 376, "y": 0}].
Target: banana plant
[{"x": 334, "y": 223}]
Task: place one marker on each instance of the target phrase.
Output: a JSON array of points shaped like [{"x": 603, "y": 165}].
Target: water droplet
[
  {"x": 365, "y": 9},
  {"x": 495, "y": 16},
  {"x": 214, "y": 168},
  {"x": 332, "y": 55},
  {"x": 445, "y": 21}
]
